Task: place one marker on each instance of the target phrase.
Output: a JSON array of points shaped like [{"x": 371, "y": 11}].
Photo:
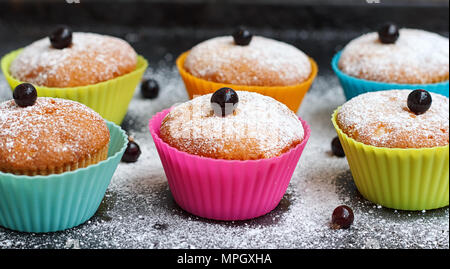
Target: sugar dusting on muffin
[
  {"x": 50, "y": 133},
  {"x": 91, "y": 58},
  {"x": 263, "y": 62},
  {"x": 260, "y": 127},
  {"x": 417, "y": 57},
  {"x": 382, "y": 119}
]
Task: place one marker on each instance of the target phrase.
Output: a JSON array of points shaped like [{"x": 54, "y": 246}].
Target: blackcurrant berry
[
  {"x": 224, "y": 101},
  {"x": 132, "y": 152},
  {"x": 61, "y": 38},
  {"x": 342, "y": 217},
  {"x": 149, "y": 88},
  {"x": 388, "y": 33},
  {"x": 242, "y": 37},
  {"x": 25, "y": 95},
  {"x": 419, "y": 101},
  {"x": 336, "y": 147}
]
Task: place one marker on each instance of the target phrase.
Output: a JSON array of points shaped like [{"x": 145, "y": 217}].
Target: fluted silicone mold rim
[
  {"x": 109, "y": 98},
  {"x": 353, "y": 86},
  {"x": 57, "y": 202},
  {"x": 226, "y": 189},
  {"x": 291, "y": 96},
  {"x": 405, "y": 179}
]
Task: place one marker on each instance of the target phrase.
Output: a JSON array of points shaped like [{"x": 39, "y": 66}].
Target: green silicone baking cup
[
  {"x": 405, "y": 179},
  {"x": 109, "y": 98},
  {"x": 57, "y": 202}
]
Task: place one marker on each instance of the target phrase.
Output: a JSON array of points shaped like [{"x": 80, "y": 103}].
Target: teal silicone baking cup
[
  {"x": 353, "y": 86},
  {"x": 57, "y": 202}
]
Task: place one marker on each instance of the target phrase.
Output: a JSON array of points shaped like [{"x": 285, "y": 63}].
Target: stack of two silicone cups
[
  {"x": 406, "y": 179},
  {"x": 230, "y": 189},
  {"x": 61, "y": 201}
]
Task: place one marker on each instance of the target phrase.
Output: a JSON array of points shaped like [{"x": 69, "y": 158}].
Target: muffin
[
  {"x": 57, "y": 158},
  {"x": 260, "y": 127},
  {"x": 392, "y": 58},
  {"x": 99, "y": 71},
  {"x": 90, "y": 59},
  {"x": 259, "y": 64},
  {"x": 49, "y": 137},
  {"x": 263, "y": 62},
  {"x": 229, "y": 164},
  {"x": 396, "y": 143}
]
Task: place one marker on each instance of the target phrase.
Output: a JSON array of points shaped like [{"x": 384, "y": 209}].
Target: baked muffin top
[
  {"x": 263, "y": 62},
  {"x": 383, "y": 119},
  {"x": 260, "y": 127},
  {"x": 50, "y": 133},
  {"x": 92, "y": 58},
  {"x": 417, "y": 57}
]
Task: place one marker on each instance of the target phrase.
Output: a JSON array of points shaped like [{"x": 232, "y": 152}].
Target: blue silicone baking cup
[
  {"x": 353, "y": 86},
  {"x": 57, "y": 202}
]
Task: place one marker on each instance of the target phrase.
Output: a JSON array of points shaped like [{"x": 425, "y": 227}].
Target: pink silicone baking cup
[{"x": 226, "y": 189}]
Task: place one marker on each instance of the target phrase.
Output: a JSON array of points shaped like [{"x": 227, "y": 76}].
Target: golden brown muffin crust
[
  {"x": 92, "y": 58},
  {"x": 382, "y": 119},
  {"x": 264, "y": 62},
  {"x": 51, "y": 133},
  {"x": 259, "y": 128},
  {"x": 418, "y": 57}
]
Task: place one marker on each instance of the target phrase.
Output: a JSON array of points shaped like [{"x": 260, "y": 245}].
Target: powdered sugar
[
  {"x": 50, "y": 132},
  {"x": 417, "y": 57},
  {"x": 383, "y": 119},
  {"x": 259, "y": 125},
  {"x": 264, "y": 62},
  {"x": 90, "y": 59}
]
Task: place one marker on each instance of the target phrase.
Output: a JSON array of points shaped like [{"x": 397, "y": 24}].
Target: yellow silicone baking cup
[
  {"x": 109, "y": 98},
  {"x": 291, "y": 96},
  {"x": 406, "y": 179}
]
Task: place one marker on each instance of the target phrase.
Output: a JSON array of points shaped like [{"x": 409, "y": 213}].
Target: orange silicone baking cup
[{"x": 291, "y": 96}]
